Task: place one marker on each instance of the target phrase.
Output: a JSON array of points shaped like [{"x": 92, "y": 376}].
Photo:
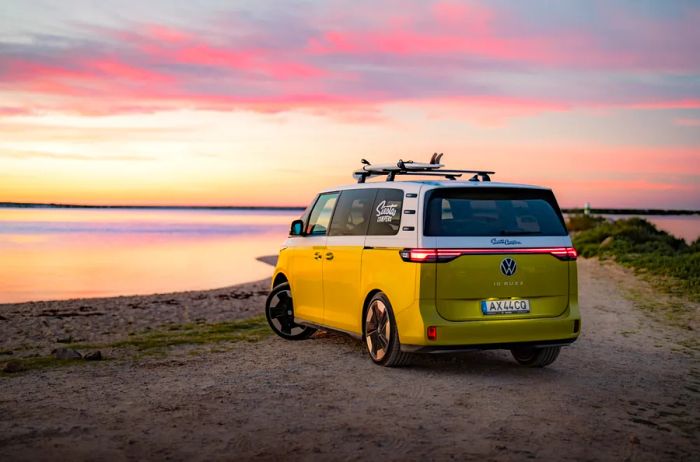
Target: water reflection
[
  {"x": 68, "y": 253},
  {"x": 63, "y": 253}
]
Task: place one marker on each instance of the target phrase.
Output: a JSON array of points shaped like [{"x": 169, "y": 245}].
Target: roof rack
[{"x": 410, "y": 168}]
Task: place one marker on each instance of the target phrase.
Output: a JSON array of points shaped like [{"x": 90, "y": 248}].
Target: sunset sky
[{"x": 264, "y": 103}]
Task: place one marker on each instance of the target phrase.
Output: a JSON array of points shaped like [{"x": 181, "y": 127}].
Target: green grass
[
  {"x": 157, "y": 341},
  {"x": 666, "y": 261},
  {"x": 250, "y": 330}
]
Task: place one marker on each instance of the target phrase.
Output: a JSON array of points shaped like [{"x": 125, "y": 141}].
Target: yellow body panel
[
  {"x": 383, "y": 270},
  {"x": 341, "y": 287},
  {"x": 464, "y": 282},
  {"x": 332, "y": 293},
  {"x": 305, "y": 275}
]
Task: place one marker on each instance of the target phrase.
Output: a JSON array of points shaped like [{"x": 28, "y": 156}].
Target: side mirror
[{"x": 297, "y": 228}]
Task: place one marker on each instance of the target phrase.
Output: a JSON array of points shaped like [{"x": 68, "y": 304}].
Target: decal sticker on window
[
  {"x": 387, "y": 210},
  {"x": 386, "y": 213}
]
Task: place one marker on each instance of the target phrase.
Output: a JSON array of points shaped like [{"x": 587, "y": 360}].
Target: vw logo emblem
[{"x": 508, "y": 266}]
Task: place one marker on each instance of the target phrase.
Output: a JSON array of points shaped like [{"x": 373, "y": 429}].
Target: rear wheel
[
  {"x": 279, "y": 311},
  {"x": 535, "y": 357},
  {"x": 381, "y": 335}
]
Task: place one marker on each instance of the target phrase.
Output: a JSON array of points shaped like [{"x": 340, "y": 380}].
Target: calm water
[
  {"x": 48, "y": 254},
  {"x": 684, "y": 226}
]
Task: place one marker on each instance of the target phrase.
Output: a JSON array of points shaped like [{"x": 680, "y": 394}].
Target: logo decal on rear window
[
  {"x": 495, "y": 241},
  {"x": 386, "y": 211}
]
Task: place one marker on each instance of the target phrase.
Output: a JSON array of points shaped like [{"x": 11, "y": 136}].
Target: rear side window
[
  {"x": 493, "y": 212},
  {"x": 320, "y": 217},
  {"x": 385, "y": 218},
  {"x": 352, "y": 215}
]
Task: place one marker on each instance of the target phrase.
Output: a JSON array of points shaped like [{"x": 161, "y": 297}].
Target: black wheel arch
[
  {"x": 280, "y": 278},
  {"x": 365, "y": 305}
]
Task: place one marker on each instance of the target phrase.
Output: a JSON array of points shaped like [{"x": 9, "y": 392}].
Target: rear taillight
[
  {"x": 432, "y": 333},
  {"x": 429, "y": 255},
  {"x": 445, "y": 255},
  {"x": 565, "y": 253}
]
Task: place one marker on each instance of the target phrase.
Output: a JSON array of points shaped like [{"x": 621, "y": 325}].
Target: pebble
[
  {"x": 13, "y": 366},
  {"x": 93, "y": 356},
  {"x": 66, "y": 353}
]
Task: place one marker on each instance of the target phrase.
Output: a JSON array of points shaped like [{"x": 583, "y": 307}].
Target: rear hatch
[{"x": 502, "y": 253}]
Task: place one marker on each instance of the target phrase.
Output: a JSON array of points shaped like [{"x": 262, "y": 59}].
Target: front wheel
[
  {"x": 535, "y": 357},
  {"x": 279, "y": 311},
  {"x": 381, "y": 335}
]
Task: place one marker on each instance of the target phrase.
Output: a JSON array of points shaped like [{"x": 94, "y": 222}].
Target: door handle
[
  {"x": 317, "y": 255},
  {"x": 329, "y": 255}
]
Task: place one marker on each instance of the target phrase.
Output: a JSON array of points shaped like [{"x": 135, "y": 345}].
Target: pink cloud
[
  {"x": 687, "y": 122},
  {"x": 14, "y": 111},
  {"x": 457, "y": 30},
  {"x": 438, "y": 56},
  {"x": 166, "y": 34},
  {"x": 411, "y": 43},
  {"x": 451, "y": 13},
  {"x": 114, "y": 68},
  {"x": 681, "y": 103},
  {"x": 184, "y": 48}
]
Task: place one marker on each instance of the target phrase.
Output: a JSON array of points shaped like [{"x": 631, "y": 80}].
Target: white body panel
[
  {"x": 479, "y": 242},
  {"x": 411, "y": 238}
]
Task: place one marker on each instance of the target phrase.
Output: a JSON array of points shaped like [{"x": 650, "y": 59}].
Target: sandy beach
[
  {"x": 36, "y": 327},
  {"x": 629, "y": 389}
]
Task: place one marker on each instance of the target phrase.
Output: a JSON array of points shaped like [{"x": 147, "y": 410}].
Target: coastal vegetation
[
  {"x": 250, "y": 330},
  {"x": 666, "y": 261}
]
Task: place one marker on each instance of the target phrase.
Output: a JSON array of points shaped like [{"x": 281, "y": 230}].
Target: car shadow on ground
[{"x": 477, "y": 362}]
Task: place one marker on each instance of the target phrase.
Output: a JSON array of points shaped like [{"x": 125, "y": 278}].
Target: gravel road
[{"x": 627, "y": 390}]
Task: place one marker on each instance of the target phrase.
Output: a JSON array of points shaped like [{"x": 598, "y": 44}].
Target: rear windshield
[{"x": 493, "y": 212}]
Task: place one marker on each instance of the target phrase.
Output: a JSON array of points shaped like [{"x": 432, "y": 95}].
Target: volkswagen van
[{"x": 434, "y": 265}]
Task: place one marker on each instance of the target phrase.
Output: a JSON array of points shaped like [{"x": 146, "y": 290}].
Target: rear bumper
[
  {"x": 489, "y": 346},
  {"x": 490, "y": 333}
]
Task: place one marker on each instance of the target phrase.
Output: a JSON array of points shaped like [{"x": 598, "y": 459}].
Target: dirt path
[{"x": 627, "y": 390}]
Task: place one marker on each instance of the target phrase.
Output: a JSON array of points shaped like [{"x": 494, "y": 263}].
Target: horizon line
[
  {"x": 146, "y": 206},
  {"x": 602, "y": 210}
]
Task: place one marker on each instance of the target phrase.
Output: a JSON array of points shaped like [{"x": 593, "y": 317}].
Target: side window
[
  {"x": 352, "y": 215},
  {"x": 385, "y": 219},
  {"x": 320, "y": 217}
]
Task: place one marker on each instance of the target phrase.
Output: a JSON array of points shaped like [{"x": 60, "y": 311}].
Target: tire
[
  {"x": 380, "y": 335},
  {"x": 279, "y": 311},
  {"x": 535, "y": 357}
]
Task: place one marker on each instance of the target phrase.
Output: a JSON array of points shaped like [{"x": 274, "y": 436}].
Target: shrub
[
  {"x": 637, "y": 243},
  {"x": 580, "y": 222}
]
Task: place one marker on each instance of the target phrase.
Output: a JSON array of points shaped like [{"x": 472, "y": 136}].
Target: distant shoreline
[
  {"x": 632, "y": 211},
  {"x": 23, "y": 205}
]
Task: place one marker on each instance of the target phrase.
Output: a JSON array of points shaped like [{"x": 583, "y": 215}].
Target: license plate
[{"x": 505, "y": 306}]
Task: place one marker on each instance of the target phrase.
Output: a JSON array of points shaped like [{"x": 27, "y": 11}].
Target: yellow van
[{"x": 429, "y": 266}]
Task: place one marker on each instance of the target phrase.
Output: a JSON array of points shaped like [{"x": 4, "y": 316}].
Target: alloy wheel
[
  {"x": 377, "y": 329},
  {"x": 281, "y": 314}
]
